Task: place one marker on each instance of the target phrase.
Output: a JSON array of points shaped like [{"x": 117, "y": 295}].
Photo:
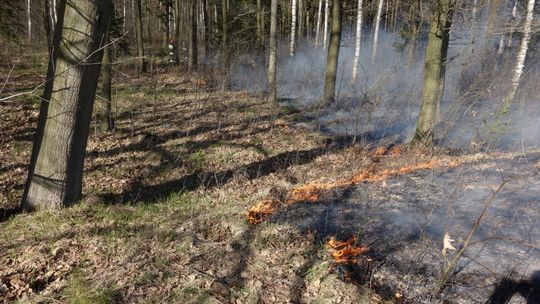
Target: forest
[{"x": 270, "y": 151}]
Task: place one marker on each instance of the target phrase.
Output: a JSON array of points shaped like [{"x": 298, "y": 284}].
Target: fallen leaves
[
  {"x": 312, "y": 192},
  {"x": 261, "y": 211},
  {"x": 345, "y": 252}
]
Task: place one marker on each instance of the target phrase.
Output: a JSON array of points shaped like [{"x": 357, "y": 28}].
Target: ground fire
[{"x": 312, "y": 192}]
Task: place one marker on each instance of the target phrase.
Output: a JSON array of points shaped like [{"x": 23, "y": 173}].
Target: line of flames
[{"x": 312, "y": 192}]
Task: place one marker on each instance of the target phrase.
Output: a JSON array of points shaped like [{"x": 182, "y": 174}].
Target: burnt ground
[
  {"x": 403, "y": 221},
  {"x": 163, "y": 214}
]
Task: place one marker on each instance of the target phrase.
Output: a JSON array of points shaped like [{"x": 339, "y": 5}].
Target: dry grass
[{"x": 163, "y": 218}]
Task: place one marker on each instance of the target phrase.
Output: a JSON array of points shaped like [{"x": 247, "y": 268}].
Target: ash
[{"x": 403, "y": 221}]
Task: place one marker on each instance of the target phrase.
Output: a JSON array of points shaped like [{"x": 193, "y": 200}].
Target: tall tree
[
  {"x": 272, "y": 96},
  {"x": 434, "y": 71},
  {"x": 521, "y": 55},
  {"x": 318, "y": 29},
  {"x": 192, "y": 45},
  {"x": 105, "y": 113},
  {"x": 333, "y": 54},
  {"x": 325, "y": 39},
  {"x": 139, "y": 34},
  {"x": 293, "y": 27},
  {"x": 56, "y": 165},
  {"x": 358, "y": 40},
  {"x": 376, "y": 34},
  {"x": 29, "y": 19}
]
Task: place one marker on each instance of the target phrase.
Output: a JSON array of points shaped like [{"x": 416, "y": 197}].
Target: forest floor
[{"x": 163, "y": 218}]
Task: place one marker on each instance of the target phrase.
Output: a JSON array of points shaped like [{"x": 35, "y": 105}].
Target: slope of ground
[{"x": 163, "y": 216}]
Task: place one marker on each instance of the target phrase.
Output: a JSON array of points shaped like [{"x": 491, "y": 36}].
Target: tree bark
[
  {"x": 29, "y": 19},
  {"x": 521, "y": 55},
  {"x": 376, "y": 34},
  {"x": 192, "y": 47},
  {"x": 318, "y": 29},
  {"x": 56, "y": 165},
  {"x": 358, "y": 41},
  {"x": 139, "y": 34},
  {"x": 105, "y": 115},
  {"x": 293, "y": 27},
  {"x": 272, "y": 86},
  {"x": 225, "y": 47},
  {"x": 47, "y": 23},
  {"x": 333, "y": 55},
  {"x": 434, "y": 72},
  {"x": 325, "y": 36}
]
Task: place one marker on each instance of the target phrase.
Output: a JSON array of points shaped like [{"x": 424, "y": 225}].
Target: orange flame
[
  {"x": 261, "y": 211},
  {"x": 312, "y": 192},
  {"x": 345, "y": 252}
]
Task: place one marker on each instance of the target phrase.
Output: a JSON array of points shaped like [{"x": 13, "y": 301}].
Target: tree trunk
[
  {"x": 206, "y": 29},
  {"x": 192, "y": 47},
  {"x": 47, "y": 23},
  {"x": 293, "y": 27},
  {"x": 29, "y": 19},
  {"x": 272, "y": 96},
  {"x": 260, "y": 34},
  {"x": 333, "y": 54},
  {"x": 376, "y": 34},
  {"x": 56, "y": 165},
  {"x": 358, "y": 41},
  {"x": 521, "y": 55},
  {"x": 434, "y": 71},
  {"x": 105, "y": 114},
  {"x": 176, "y": 41},
  {"x": 139, "y": 34},
  {"x": 226, "y": 48},
  {"x": 325, "y": 23},
  {"x": 318, "y": 29}
]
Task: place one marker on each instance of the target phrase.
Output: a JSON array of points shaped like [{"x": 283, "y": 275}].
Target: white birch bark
[
  {"x": 358, "y": 40},
  {"x": 475, "y": 3},
  {"x": 124, "y": 17},
  {"x": 28, "y": 10},
  {"x": 293, "y": 27},
  {"x": 377, "y": 25},
  {"x": 54, "y": 9},
  {"x": 501, "y": 45},
  {"x": 325, "y": 22},
  {"x": 318, "y": 30},
  {"x": 522, "y": 53},
  {"x": 514, "y": 10}
]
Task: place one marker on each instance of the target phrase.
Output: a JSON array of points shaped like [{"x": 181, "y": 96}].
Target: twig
[{"x": 450, "y": 268}]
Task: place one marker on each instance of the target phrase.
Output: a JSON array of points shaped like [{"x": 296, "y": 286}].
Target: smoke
[{"x": 385, "y": 99}]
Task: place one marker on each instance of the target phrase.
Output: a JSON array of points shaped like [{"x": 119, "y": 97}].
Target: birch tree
[
  {"x": 272, "y": 96},
  {"x": 293, "y": 27},
  {"x": 434, "y": 71},
  {"x": 29, "y": 19},
  {"x": 521, "y": 55},
  {"x": 325, "y": 22},
  {"x": 318, "y": 29},
  {"x": 56, "y": 165},
  {"x": 376, "y": 34},
  {"x": 357, "y": 41}
]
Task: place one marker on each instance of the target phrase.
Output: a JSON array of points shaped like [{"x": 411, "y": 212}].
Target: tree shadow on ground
[
  {"x": 507, "y": 288},
  {"x": 210, "y": 179}
]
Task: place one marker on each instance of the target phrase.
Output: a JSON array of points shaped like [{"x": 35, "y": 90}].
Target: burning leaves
[
  {"x": 312, "y": 192},
  {"x": 261, "y": 211},
  {"x": 345, "y": 252}
]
